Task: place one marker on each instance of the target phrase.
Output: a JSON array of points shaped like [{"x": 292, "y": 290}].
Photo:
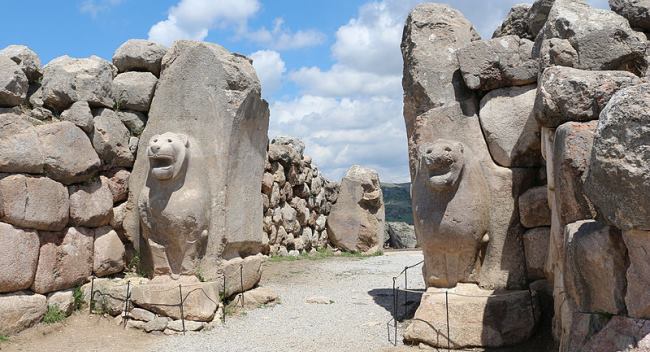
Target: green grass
[
  {"x": 322, "y": 253},
  {"x": 53, "y": 315},
  {"x": 4, "y": 338}
]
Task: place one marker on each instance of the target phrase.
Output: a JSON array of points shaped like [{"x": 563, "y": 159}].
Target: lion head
[
  {"x": 442, "y": 162},
  {"x": 167, "y": 153}
]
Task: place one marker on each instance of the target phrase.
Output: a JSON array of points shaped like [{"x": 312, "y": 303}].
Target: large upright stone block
[
  {"x": 196, "y": 180},
  {"x": 459, "y": 193},
  {"x": 356, "y": 222},
  {"x": 18, "y": 258},
  {"x": 618, "y": 181},
  {"x": 638, "y": 273}
]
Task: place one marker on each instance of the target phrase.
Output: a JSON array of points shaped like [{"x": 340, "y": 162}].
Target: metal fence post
[
  {"x": 395, "y": 292},
  {"x": 92, "y": 295},
  {"x": 241, "y": 282},
  {"x": 406, "y": 291},
  {"x": 180, "y": 292},
  {"x": 447, "y": 308},
  {"x": 126, "y": 301},
  {"x": 223, "y": 313}
]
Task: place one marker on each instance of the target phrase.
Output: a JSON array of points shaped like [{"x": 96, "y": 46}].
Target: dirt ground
[{"x": 360, "y": 288}]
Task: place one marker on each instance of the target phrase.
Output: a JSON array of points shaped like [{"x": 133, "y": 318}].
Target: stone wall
[
  {"x": 297, "y": 199},
  {"x": 70, "y": 134},
  {"x": 554, "y": 111},
  {"x": 67, "y": 147}
]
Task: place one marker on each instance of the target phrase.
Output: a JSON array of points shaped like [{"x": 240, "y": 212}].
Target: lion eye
[
  {"x": 169, "y": 141},
  {"x": 155, "y": 140}
]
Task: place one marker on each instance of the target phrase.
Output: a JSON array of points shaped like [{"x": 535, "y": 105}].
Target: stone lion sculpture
[
  {"x": 452, "y": 212},
  {"x": 173, "y": 206}
]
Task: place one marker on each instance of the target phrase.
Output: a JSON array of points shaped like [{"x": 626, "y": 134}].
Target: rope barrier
[{"x": 182, "y": 297}]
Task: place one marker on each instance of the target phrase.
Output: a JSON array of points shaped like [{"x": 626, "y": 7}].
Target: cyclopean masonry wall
[
  {"x": 80, "y": 136},
  {"x": 297, "y": 199},
  {"x": 529, "y": 166}
]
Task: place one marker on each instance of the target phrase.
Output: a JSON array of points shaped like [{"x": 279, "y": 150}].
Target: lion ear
[{"x": 184, "y": 139}]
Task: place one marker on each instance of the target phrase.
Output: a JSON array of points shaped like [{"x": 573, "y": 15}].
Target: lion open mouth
[{"x": 162, "y": 165}]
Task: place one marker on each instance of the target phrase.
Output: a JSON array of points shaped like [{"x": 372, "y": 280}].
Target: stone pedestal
[{"x": 477, "y": 317}]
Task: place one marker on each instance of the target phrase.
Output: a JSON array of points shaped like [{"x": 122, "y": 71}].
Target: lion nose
[{"x": 155, "y": 148}]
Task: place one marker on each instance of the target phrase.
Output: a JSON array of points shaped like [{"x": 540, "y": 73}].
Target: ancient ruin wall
[{"x": 554, "y": 112}]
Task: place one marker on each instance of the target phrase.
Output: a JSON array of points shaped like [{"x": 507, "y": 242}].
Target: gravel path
[{"x": 356, "y": 321}]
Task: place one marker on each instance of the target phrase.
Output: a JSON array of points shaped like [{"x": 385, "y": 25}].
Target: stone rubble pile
[
  {"x": 297, "y": 199},
  {"x": 535, "y": 141}
]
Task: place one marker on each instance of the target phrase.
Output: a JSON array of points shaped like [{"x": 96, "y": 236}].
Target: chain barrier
[{"x": 182, "y": 298}]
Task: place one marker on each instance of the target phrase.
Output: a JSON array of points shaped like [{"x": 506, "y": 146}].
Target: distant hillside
[{"x": 397, "y": 197}]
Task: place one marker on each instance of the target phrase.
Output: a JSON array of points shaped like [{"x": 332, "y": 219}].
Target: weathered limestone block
[
  {"x": 595, "y": 260},
  {"x": 79, "y": 114},
  {"x": 108, "y": 257},
  {"x": 18, "y": 258},
  {"x": 111, "y": 139},
  {"x": 512, "y": 134},
  {"x": 638, "y": 273},
  {"x": 64, "y": 300},
  {"x": 536, "y": 247},
  {"x": 538, "y": 14},
  {"x": 557, "y": 52},
  {"x": 134, "y": 90},
  {"x": 162, "y": 296},
  {"x": 19, "y": 311},
  {"x": 477, "y": 318},
  {"x": 295, "y": 143},
  {"x": 223, "y": 124},
  {"x": 91, "y": 204},
  {"x": 498, "y": 62},
  {"x": 141, "y": 314},
  {"x": 516, "y": 23},
  {"x": 139, "y": 55},
  {"x": 618, "y": 180},
  {"x": 533, "y": 208},
  {"x": 637, "y": 12},
  {"x": 13, "y": 83},
  {"x": 133, "y": 120},
  {"x": 49, "y": 212},
  {"x": 118, "y": 183},
  {"x": 584, "y": 326},
  {"x": 568, "y": 94},
  {"x": 401, "y": 235},
  {"x": 110, "y": 294},
  {"x": 26, "y": 58},
  {"x": 65, "y": 259},
  {"x": 589, "y": 30},
  {"x": 249, "y": 269},
  {"x": 20, "y": 148},
  {"x": 69, "y": 155},
  {"x": 620, "y": 334},
  {"x": 67, "y": 80},
  {"x": 572, "y": 151},
  {"x": 356, "y": 222}
]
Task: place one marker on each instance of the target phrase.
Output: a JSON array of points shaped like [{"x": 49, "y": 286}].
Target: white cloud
[
  {"x": 192, "y": 19},
  {"x": 94, "y": 7},
  {"x": 341, "y": 132},
  {"x": 351, "y": 112},
  {"x": 281, "y": 38},
  {"x": 344, "y": 81},
  {"x": 270, "y": 68}
]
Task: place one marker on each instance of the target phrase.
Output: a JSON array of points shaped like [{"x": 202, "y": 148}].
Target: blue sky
[{"x": 331, "y": 70}]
